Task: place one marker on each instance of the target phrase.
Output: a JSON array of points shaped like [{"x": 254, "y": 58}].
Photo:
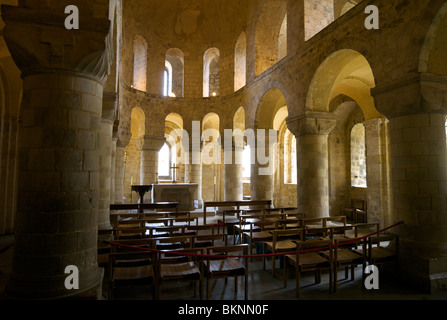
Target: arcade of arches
[{"x": 85, "y": 114}]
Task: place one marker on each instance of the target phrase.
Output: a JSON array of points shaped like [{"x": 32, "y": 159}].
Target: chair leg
[
  {"x": 207, "y": 288},
  {"x": 246, "y": 286},
  {"x": 335, "y": 278},
  {"x": 298, "y": 275}
]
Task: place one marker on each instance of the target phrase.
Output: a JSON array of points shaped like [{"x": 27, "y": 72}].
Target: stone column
[
  {"x": 119, "y": 171},
  {"x": 233, "y": 183},
  {"x": 58, "y": 188},
  {"x": 8, "y": 172},
  {"x": 193, "y": 167},
  {"x": 377, "y": 170},
  {"x": 105, "y": 162},
  {"x": 416, "y": 109},
  {"x": 312, "y": 132},
  {"x": 149, "y": 161},
  {"x": 262, "y": 170}
]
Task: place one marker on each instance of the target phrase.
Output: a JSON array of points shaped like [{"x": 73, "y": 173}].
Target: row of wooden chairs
[
  {"x": 275, "y": 238},
  {"x": 179, "y": 258}
]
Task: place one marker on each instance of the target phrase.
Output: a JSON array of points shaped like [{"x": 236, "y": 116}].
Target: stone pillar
[
  {"x": 377, "y": 170},
  {"x": 233, "y": 183},
  {"x": 416, "y": 109},
  {"x": 105, "y": 162},
  {"x": 149, "y": 161},
  {"x": 58, "y": 188},
  {"x": 262, "y": 172},
  {"x": 119, "y": 171},
  {"x": 8, "y": 172},
  {"x": 193, "y": 167},
  {"x": 312, "y": 132}
]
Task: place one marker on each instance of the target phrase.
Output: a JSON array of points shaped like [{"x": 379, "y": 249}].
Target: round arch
[
  {"x": 271, "y": 102},
  {"x": 432, "y": 57},
  {"x": 345, "y": 72}
]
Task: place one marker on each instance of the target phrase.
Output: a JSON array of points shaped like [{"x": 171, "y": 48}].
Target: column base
[
  {"x": 426, "y": 274},
  {"x": 52, "y": 288}
]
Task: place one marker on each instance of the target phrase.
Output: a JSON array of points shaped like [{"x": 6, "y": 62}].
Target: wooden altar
[{"x": 183, "y": 193}]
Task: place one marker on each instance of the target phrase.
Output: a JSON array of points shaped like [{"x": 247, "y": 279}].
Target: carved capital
[
  {"x": 40, "y": 43},
  {"x": 311, "y": 123},
  {"x": 153, "y": 144},
  {"x": 109, "y": 107}
]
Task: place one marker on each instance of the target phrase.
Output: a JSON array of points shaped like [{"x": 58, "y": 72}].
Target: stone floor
[{"x": 262, "y": 285}]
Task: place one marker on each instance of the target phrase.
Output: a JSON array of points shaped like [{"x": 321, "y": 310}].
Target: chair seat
[
  {"x": 225, "y": 267},
  {"x": 258, "y": 236},
  {"x": 187, "y": 270},
  {"x": 344, "y": 255},
  {"x": 229, "y": 221},
  {"x": 247, "y": 228},
  {"x": 309, "y": 259},
  {"x": 133, "y": 273},
  {"x": 282, "y": 245}
]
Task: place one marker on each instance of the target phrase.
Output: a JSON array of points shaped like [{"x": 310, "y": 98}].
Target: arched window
[
  {"x": 358, "y": 156},
  {"x": 167, "y": 80},
  {"x": 139, "y": 63},
  {"x": 246, "y": 164},
  {"x": 175, "y": 66},
  {"x": 290, "y": 170},
  {"x": 165, "y": 162},
  {"x": 211, "y": 75}
]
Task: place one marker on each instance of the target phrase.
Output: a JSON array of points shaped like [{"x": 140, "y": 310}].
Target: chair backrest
[
  {"x": 312, "y": 222},
  {"x": 358, "y": 204},
  {"x": 316, "y": 233},
  {"x": 287, "y": 234},
  {"x": 228, "y": 250},
  {"x": 203, "y": 228},
  {"x": 330, "y": 221},
  {"x": 212, "y": 238},
  {"x": 187, "y": 221},
  {"x": 128, "y": 232},
  {"x": 173, "y": 242},
  {"x": 166, "y": 231},
  {"x": 182, "y": 254}
]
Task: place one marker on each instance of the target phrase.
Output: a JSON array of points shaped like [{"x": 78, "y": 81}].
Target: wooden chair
[
  {"x": 246, "y": 222},
  {"x": 188, "y": 268},
  {"x": 283, "y": 241},
  {"x": 129, "y": 266},
  {"x": 316, "y": 261},
  {"x": 208, "y": 229},
  {"x": 227, "y": 222},
  {"x": 122, "y": 233},
  {"x": 345, "y": 256},
  {"x": 216, "y": 267},
  {"x": 382, "y": 249},
  {"x": 174, "y": 242},
  {"x": 358, "y": 209},
  {"x": 259, "y": 232}
]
